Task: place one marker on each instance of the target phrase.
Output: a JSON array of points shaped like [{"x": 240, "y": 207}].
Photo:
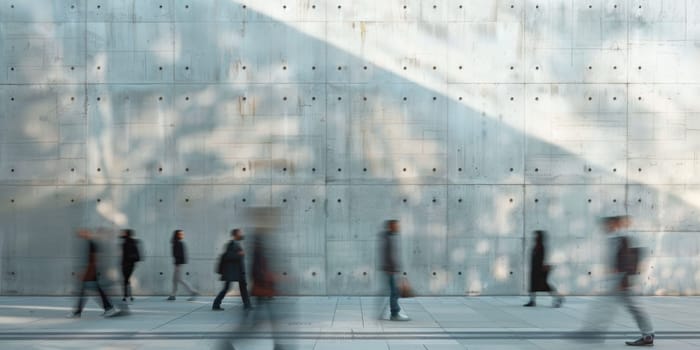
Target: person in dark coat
[
  {"x": 130, "y": 256},
  {"x": 180, "y": 258},
  {"x": 89, "y": 278},
  {"x": 264, "y": 289},
  {"x": 232, "y": 269},
  {"x": 539, "y": 272},
  {"x": 391, "y": 266}
]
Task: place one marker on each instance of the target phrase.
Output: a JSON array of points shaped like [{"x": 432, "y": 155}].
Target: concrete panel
[
  {"x": 42, "y": 11},
  {"x": 360, "y": 62},
  {"x": 488, "y": 211},
  {"x": 485, "y": 266},
  {"x": 124, "y": 124},
  {"x": 591, "y": 124},
  {"x": 242, "y": 60},
  {"x": 303, "y": 215},
  {"x": 46, "y": 52},
  {"x": 504, "y": 46},
  {"x": 664, "y": 208},
  {"x": 380, "y": 142},
  {"x": 484, "y": 11},
  {"x": 485, "y": 144},
  {"x": 354, "y": 266},
  {"x": 130, "y": 52}
]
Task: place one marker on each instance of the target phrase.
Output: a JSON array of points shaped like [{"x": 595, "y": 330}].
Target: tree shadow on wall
[{"x": 230, "y": 122}]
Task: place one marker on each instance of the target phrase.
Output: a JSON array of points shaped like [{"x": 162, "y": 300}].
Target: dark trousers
[
  {"x": 242, "y": 287},
  {"x": 393, "y": 295},
  {"x": 81, "y": 299},
  {"x": 127, "y": 270}
]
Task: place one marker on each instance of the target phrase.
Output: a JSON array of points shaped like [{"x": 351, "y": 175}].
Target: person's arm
[{"x": 137, "y": 253}]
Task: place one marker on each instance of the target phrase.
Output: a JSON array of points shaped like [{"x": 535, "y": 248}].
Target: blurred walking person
[
  {"x": 264, "y": 288},
  {"x": 180, "y": 258},
  {"x": 539, "y": 272},
  {"x": 89, "y": 278},
  {"x": 391, "y": 266},
  {"x": 130, "y": 256},
  {"x": 232, "y": 269},
  {"x": 622, "y": 264}
]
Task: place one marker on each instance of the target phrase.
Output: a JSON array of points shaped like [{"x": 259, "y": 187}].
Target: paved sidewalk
[{"x": 339, "y": 323}]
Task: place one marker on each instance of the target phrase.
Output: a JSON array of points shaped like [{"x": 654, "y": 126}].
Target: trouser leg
[
  {"x": 176, "y": 278},
  {"x": 243, "y": 288},
  {"x": 393, "y": 295},
  {"x": 81, "y": 300},
  {"x": 220, "y": 297},
  {"x": 188, "y": 286},
  {"x": 127, "y": 270},
  {"x": 103, "y": 297},
  {"x": 643, "y": 321}
]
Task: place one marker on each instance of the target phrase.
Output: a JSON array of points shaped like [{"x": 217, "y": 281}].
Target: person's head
[
  {"x": 84, "y": 233},
  {"x": 614, "y": 223},
  {"x": 237, "y": 234},
  {"x": 127, "y": 233},
  {"x": 178, "y": 235},
  {"x": 392, "y": 226},
  {"x": 540, "y": 236}
]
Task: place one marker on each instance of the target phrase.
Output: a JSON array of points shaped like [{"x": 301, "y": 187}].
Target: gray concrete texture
[{"x": 472, "y": 122}]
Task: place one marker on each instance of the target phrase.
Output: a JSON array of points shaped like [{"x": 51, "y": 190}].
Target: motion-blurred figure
[
  {"x": 130, "y": 256},
  {"x": 390, "y": 265},
  {"x": 180, "y": 258},
  {"x": 623, "y": 262},
  {"x": 265, "y": 284},
  {"x": 232, "y": 269},
  {"x": 89, "y": 278},
  {"x": 539, "y": 272}
]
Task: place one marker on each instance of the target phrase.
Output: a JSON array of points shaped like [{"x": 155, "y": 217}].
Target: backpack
[{"x": 628, "y": 258}]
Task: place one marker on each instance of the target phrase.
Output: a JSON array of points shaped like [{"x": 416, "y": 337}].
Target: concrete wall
[{"x": 473, "y": 122}]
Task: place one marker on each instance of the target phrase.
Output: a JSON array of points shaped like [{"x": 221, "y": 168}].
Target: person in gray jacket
[
  {"x": 232, "y": 269},
  {"x": 391, "y": 266}
]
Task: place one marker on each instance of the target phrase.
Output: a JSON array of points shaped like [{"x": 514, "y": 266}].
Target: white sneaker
[
  {"x": 111, "y": 312},
  {"x": 400, "y": 317}
]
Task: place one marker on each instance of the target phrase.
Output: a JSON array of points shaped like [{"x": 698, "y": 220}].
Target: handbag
[{"x": 405, "y": 289}]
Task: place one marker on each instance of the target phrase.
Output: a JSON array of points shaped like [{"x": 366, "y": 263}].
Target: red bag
[{"x": 405, "y": 290}]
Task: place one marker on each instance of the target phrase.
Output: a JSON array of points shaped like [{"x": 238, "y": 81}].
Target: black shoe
[
  {"x": 645, "y": 340},
  {"x": 217, "y": 308},
  {"x": 531, "y": 303},
  {"x": 124, "y": 299},
  {"x": 171, "y": 298},
  {"x": 132, "y": 298}
]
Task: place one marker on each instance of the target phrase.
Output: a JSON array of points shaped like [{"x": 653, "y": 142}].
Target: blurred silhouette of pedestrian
[
  {"x": 623, "y": 262},
  {"x": 265, "y": 286},
  {"x": 391, "y": 266},
  {"x": 180, "y": 258},
  {"x": 89, "y": 276},
  {"x": 130, "y": 256},
  {"x": 232, "y": 269},
  {"x": 539, "y": 272}
]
